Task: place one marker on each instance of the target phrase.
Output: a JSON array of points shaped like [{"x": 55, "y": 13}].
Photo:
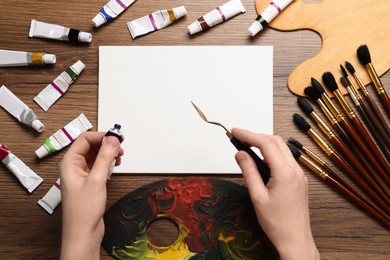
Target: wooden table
[{"x": 341, "y": 230}]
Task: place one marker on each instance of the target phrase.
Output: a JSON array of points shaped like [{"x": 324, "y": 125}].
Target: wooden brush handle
[
  {"x": 378, "y": 113},
  {"x": 384, "y": 219},
  {"x": 385, "y": 101}
]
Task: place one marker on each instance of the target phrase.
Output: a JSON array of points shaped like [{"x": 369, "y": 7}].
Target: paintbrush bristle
[
  {"x": 345, "y": 82},
  {"x": 329, "y": 81},
  {"x": 312, "y": 93},
  {"x": 295, "y": 143},
  {"x": 199, "y": 112},
  {"x": 345, "y": 74},
  {"x": 350, "y": 68},
  {"x": 301, "y": 122},
  {"x": 317, "y": 86},
  {"x": 304, "y": 105},
  {"x": 295, "y": 152},
  {"x": 364, "y": 54}
]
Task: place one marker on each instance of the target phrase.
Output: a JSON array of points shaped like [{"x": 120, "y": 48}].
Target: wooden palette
[{"x": 343, "y": 27}]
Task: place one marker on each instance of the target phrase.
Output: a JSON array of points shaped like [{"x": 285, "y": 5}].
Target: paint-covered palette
[
  {"x": 343, "y": 26},
  {"x": 215, "y": 219}
]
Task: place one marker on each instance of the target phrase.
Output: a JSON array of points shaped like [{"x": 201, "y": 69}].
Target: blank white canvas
[{"x": 148, "y": 91}]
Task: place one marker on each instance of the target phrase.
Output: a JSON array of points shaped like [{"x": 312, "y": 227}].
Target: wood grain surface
[{"x": 341, "y": 229}]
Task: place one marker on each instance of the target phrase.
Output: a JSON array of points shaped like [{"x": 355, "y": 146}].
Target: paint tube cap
[
  {"x": 98, "y": 20},
  {"x": 42, "y": 152},
  {"x": 78, "y": 66},
  {"x": 37, "y": 125},
  {"x": 85, "y": 37},
  {"x": 255, "y": 28},
  {"x": 49, "y": 58},
  {"x": 194, "y": 27},
  {"x": 180, "y": 11}
]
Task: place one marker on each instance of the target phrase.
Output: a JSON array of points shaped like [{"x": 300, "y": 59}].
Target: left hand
[{"x": 83, "y": 171}]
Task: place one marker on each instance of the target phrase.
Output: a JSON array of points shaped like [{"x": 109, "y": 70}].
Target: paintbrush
[
  {"x": 378, "y": 215},
  {"x": 372, "y": 192},
  {"x": 347, "y": 127},
  {"x": 368, "y": 97},
  {"x": 369, "y": 118},
  {"x": 365, "y": 58},
  {"x": 261, "y": 165},
  {"x": 331, "y": 84},
  {"x": 343, "y": 149}
]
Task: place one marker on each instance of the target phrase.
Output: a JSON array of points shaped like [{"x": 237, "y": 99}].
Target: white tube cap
[
  {"x": 42, "y": 152},
  {"x": 180, "y": 11},
  {"x": 194, "y": 27},
  {"x": 255, "y": 28},
  {"x": 78, "y": 66},
  {"x": 98, "y": 20},
  {"x": 85, "y": 37},
  {"x": 37, "y": 125},
  {"x": 49, "y": 58}
]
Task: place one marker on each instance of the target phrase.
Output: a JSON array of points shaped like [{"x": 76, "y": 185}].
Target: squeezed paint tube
[
  {"x": 49, "y": 95},
  {"x": 64, "y": 136},
  {"x": 52, "y": 198},
  {"x": 57, "y": 32},
  {"x": 155, "y": 21},
  {"x": 19, "y": 109},
  {"x": 216, "y": 16},
  {"x": 269, "y": 13},
  {"x": 115, "y": 131},
  {"x": 10, "y": 58},
  {"x": 110, "y": 11},
  {"x": 29, "y": 179}
]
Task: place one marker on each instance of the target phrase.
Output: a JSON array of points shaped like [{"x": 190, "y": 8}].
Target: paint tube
[
  {"x": 10, "y": 58},
  {"x": 110, "y": 11},
  {"x": 57, "y": 32},
  {"x": 269, "y": 13},
  {"x": 19, "y": 109},
  {"x": 49, "y": 95},
  {"x": 29, "y": 179},
  {"x": 155, "y": 21},
  {"x": 216, "y": 16},
  {"x": 115, "y": 131},
  {"x": 64, "y": 136},
  {"x": 52, "y": 198}
]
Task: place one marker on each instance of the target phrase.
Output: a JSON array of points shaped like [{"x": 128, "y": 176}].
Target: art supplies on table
[
  {"x": 52, "y": 198},
  {"x": 10, "y": 58},
  {"x": 110, "y": 11}
]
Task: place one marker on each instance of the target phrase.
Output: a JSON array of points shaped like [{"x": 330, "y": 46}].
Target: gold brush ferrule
[
  {"x": 313, "y": 156},
  {"x": 375, "y": 79},
  {"x": 339, "y": 117},
  {"x": 327, "y": 112},
  {"x": 323, "y": 126},
  {"x": 321, "y": 142},
  {"x": 229, "y": 134},
  {"x": 314, "y": 167},
  {"x": 361, "y": 84},
  {"x": 348, "y": 110},
  {"x": 353, "y": 87}
]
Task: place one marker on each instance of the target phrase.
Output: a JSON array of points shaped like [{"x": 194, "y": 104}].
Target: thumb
[
  {"x": 106, "y": 155},
  {"x": 251, "y": 175}
]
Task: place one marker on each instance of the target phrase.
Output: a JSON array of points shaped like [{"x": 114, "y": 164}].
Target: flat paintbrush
[
  {"x": 365, "y": 58},
  {"x": 343, "y": 149},
  {"x": 381, "y": 217},
  {"x": 373, "y": 192},
  {"x": 348, "y": 128},
  {"x": 368, "y": 97},
  {"x": 331, "y": 84}
]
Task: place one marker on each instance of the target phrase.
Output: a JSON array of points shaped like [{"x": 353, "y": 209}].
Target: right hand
[{"x": 281, "y": 206}]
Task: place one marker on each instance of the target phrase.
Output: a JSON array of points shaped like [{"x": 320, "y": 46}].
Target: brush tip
[
  {"x": 329, "y": 81},
  {"x": 305, "y": 105},
  {"x": 364, "y": 54},
  {"x": 317, "y": 86},
  {"x": 344, "y": 82},
  {"x": 350, "y": 68},
  {"x": 301, "y": 122},
  {"x": 312, "y": 93},
  {"x": 295, "y": 143},
  {"x": 295, "y": 152},
  {"x": 345, "y": 74}
]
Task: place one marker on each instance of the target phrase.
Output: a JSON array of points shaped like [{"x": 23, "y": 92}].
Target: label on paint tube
[
  {"x": 64, "y": 136},
  {"x": 155, "y": 21},
  {"x": 52, "y": 198},
  {"x": 110, "y": 11},
  {"x": 29, "y": 179},
  {"x": 49, "y": 95},
  {"x": 19, "y": 109},
  {"x": 216, "y": 16}
]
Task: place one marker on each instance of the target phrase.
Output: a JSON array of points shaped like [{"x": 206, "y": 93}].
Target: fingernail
[
  {"x": 111, "y": 140},
  {"x": 241, "y": 158}
]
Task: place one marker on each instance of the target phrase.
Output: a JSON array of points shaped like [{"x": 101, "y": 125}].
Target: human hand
[
  {"x": 281, "y": 206},
  {"x": 83, "y": 172}
]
